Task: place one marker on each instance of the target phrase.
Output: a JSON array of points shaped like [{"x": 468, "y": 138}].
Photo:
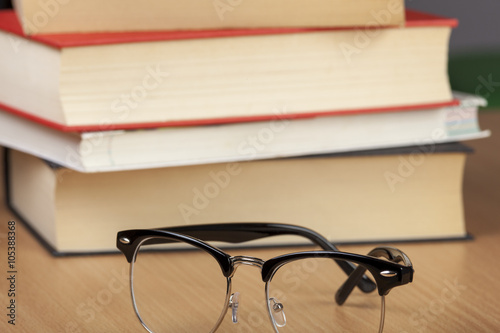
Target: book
[
  {"x": 96, "y": 82},
  {"x": 280, "y": 137},
  {"x": 405, "y": 194},
  {"x": 56, "y": 16}
]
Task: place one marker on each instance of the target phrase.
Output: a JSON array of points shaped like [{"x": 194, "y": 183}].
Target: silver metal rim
[{"x": 225, "y": 307}]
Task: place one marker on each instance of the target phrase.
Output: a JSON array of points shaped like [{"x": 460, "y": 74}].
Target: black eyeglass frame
[{"x": 397, "y": 270}]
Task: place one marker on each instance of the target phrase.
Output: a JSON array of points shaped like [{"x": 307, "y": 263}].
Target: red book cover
[
  {"x": 216, "y": 121},
  {"x": 10, "y": 23}
]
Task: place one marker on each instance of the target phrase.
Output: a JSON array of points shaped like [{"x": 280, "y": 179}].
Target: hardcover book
[
  {"x": 103, "y": 81},
  {"x": 405, "y": 194},
  {"x": 280, "y": 137}
]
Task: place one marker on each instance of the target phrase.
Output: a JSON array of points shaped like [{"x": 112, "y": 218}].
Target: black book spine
[{"x": 5, "y": 4}]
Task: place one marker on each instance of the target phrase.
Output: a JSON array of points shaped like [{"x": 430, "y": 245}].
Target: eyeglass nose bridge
[
  {"x": 236, "y": 262},
  {"x": 246, "y": 260}
]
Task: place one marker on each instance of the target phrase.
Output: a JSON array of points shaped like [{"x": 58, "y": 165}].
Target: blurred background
[
  {"x": 475, "y": 45},
  {"x": 479, "y": 26}
]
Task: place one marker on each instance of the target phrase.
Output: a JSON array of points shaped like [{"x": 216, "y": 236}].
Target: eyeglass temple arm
[
  {"x": 243, "y": 232},
  {"x": 390, "y": 253}
]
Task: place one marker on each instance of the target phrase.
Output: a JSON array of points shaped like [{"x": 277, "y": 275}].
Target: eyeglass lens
[
  {"x": 301, "y": 298},
  {"x": 174, "y": 292}
]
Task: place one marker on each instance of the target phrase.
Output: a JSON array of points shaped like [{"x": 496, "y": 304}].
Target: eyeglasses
[{"x": 304, "y": 291}]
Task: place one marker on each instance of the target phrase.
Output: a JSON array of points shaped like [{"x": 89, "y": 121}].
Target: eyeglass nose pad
[
  {"x": 278, "y": 312},
  {"x": 234, "y": 302}
]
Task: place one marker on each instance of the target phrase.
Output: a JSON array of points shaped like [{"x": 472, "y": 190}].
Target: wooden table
[{"x": 456, "y": 286}]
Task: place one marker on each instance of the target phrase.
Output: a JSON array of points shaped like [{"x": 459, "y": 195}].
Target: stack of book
[{"x": 330, "y": 115}]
